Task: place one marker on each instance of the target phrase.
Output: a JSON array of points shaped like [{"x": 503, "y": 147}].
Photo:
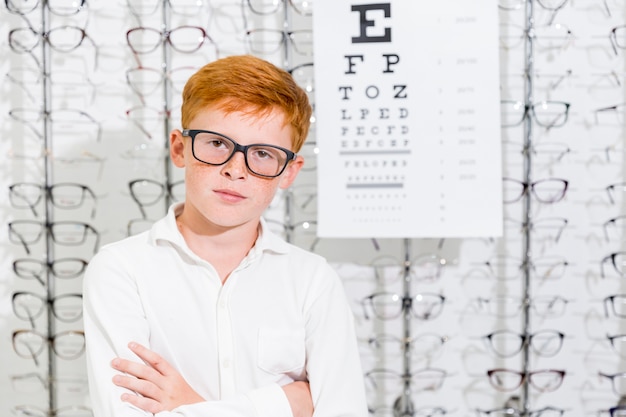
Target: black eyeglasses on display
[
  {"x": 422, "y": 345},
  {"x": 617, "y": 304},
  {"x": 507, "y": 343},
  {"x": 548, "y": 190},
  {"x": 213, "y": 148},
  {"x": 28, "y": 306},
  {"x": 618, "y": 382},
  {"x": 63, "y": 268},
  {"x": 546, "y": 114},
  {"x": 544, "y": 268}
]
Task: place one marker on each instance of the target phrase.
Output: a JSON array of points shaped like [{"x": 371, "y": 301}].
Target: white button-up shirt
[{"x": 281, "y": 316}]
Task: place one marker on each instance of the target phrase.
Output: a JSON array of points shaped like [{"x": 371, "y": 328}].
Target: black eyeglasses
[
  {"x": 617, "y": 260},
  {"x": 617, "y": 304},
  {"x": 28, "y": 306},
  {"x": 63, "y": 268},
  {"x": 619, "y": 411},
  {"x": 388, "y": 306},
  {"x": 59, "y": 8},
  {"x": 185, "y": 39},
  {"x": 213, "y": 148},
  {"x": 614, "y": 228},
  {"x": 506, "y": 343},
  {"x": 546, "y": 114},
  {"x": 613, "y": 190},
  {"x": 62, "y": 195},
  {"x": 68, "y": 344},
  {"x": 548, "y": 191},
  {"x": 617, "y": 36},
  {"x": 68, "y": 233},
  {"x": 618, "y": 343},
  {"x": 550, "y": 5},
  {"x": 509, "y": 380},
  {"x": 146, "y": 192},
  {"x": 618, "y": 382}
]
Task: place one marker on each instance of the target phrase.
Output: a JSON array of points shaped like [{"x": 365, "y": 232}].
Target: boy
[{"x": 240, "y": 319}]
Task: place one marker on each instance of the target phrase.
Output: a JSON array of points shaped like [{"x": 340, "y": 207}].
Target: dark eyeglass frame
[
  {"x": 613, "y": 379},
  {"x": 492, "y": 373},
  {"x": 524, "y": 340},
  {"x": 12, "y": 8},
  {"x": 610, "y": 300},
  {"x": 530, "y": 110},
  {"x": 613, "y": 411},
  {"x": 533, "y": 303},
  {"x": 611, "y": 188},
  {"x": 50, "y": 302},
  {"x": 50, "y": 228},
  {"x": 530, "y": 187},
  {"x": 52, "y": 266},
  {"x": 291, "y": 156},
  {"x": 613, "y": 38},
  {"x": 611, "y": 258}
]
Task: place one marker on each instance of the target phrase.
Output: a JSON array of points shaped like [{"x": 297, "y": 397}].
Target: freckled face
[{"x": 228, "y": 195}]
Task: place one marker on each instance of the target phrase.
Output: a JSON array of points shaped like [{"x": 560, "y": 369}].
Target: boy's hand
[
  {"x": 160, "y": 386},
  {"x": 299, "y": 396}
]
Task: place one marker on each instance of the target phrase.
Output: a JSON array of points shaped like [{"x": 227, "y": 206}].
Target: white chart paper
[{"x": 408, "y": 118}]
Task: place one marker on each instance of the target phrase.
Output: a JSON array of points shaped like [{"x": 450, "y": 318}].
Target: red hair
[{"x": 244, "y": 83}]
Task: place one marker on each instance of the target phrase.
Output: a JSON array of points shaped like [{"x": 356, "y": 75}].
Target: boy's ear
[
  {"x": 177, "y": 148},
  {"x": 291, "y": 172}
]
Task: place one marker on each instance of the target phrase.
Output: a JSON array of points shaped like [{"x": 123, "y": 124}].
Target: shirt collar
[{"x": 166, "y": 229}]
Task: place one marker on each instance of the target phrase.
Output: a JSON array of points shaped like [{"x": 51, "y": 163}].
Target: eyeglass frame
[
  {"x": 166, "y": 38},
  {"x": 529, "y": 187},
  {"x": 49, "y": 265},
  {"x": 611, "y": 300},
  {"x": 51, "y": 340},
  {"x": 525, "y": 340},
  {"x": 48, "y": 226},
  {"x": 47, "y": 4},
  {"x": 166, "y": 191},
  {"x": 48, "y": 190},
  {"x": 524, "y": 375},
  {"x": 45, "y": 301},
  {"x": 406, "y": 305},
  {"x": 291, "y": 156}
]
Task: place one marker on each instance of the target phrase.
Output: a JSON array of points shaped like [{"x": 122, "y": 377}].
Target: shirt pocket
[{"x": 281, "y": 349}]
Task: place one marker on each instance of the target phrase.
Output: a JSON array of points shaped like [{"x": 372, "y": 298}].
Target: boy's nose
[{"x": 236, "y": 167}]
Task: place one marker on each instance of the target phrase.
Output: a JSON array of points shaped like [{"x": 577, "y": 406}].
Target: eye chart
[{"x": 408, "y": 118}]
